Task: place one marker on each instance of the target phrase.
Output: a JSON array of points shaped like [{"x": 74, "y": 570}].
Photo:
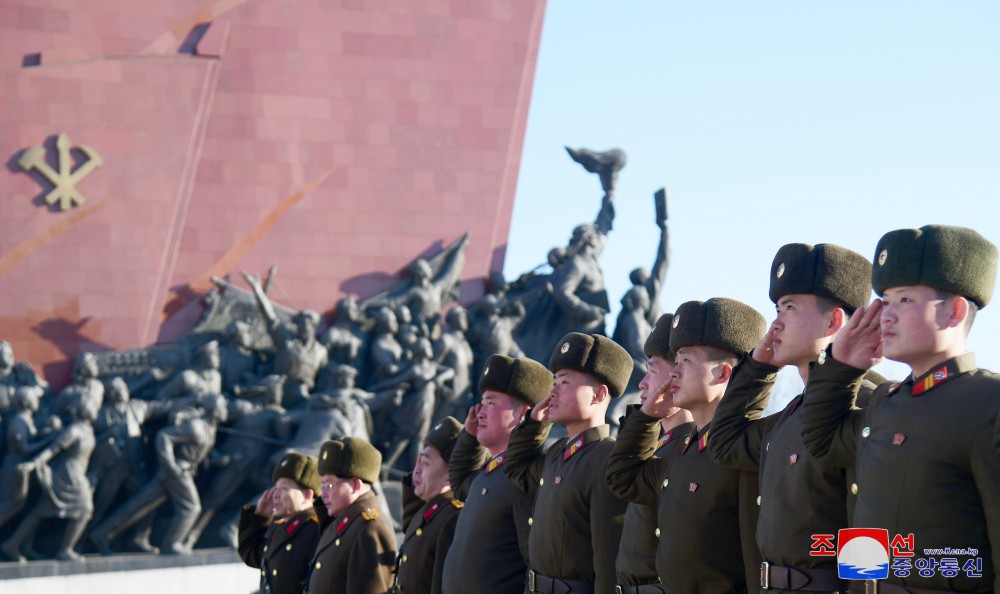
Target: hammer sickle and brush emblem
[{"x": 64, "y": 180}]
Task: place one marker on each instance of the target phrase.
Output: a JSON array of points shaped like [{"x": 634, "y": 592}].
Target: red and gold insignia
[
  {"x": 369, "y": 514},
  {"x": 293, "y": 525},
  {"x": 939, "y": 376},
  {"x": 703, "y": 442},
  {"x": 457, "y": 504},
  {"x": 794, "y": 458},
  {"x": 898, "y": 439},
  {"x": 494, "y": 463},
  {"x": 693, "y": 487},
  {"x": 343, "y": 524},
  {"x": 573, "y": 448}
]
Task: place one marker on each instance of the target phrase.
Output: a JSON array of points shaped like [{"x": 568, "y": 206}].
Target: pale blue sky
[{"x": 768, "y": 122}]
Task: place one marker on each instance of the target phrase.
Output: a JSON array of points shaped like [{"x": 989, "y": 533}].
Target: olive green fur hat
[
  {"x": 444, "y": 436},
  {"x": 522, "y": 378},
  {"x": 299, "y": 468},
  {"x": 350, "y": 458},
  {"x": 953, "y": 259},
  {"x": 595, "y": 355},
  {"x": 722, "y": 323},
  {"x": 825, "y": 270},
  {"x": 658, "y": 342}
]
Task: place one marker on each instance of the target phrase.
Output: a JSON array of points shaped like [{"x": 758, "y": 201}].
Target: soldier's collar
[
  {"x": 699, "y": 437},
  {"x": 432, "y": 507},
  {"x": 495, "y": 462},
  {"x": 938, "y": 374},
  {"x": 580, "y": 441}
]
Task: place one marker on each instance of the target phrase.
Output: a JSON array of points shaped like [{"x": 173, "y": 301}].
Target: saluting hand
[
  {"x": 541, "y": 410},
  {"x": 859, "y": 343},
  {"x": 764, "y": 351},
  {"x": 265, "y": 505},
  {"x": 472, "y": 420}
]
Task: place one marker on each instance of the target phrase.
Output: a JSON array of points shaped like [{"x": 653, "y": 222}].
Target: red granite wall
[{"x": 337, "y": 140}]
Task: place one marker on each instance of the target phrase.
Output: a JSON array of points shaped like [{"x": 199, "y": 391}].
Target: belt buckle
[
  {"x": 871, "y": 586},
  {"x": 765, "y": 575},
  {"x": 531, "y": 580}
]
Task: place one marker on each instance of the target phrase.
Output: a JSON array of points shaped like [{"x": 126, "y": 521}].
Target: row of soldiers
[{"x": 699, "y": 493}]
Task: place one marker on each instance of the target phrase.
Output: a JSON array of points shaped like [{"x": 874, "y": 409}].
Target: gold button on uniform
[
  {"x": 854, "y": 488},
  {"x": 541, "y": 482},
  {"x": 531, "y": 521},
  {"x": 337, "y": 542},
  {"x": 657, "y": 533},
  {"x": 420, "y": 531},
  {"x": 665, "y": 483},
  {"x": 265, "y": 548},
  {"x": 866, "y": 432},
  {"x": 319, "y": 565},
  {"x": 274, "y": 572},
  {"x": 405, "y": 558},
  {"x": 288, "y": 547},
  {"x": 758, "y": 500}
]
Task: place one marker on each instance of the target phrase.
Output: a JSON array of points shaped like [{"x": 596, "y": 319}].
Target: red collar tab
[
  {"x": 574, "y": 447},
  {"x": 930, "y": 381},
  {"x": 343, "y": 524},
  {"x": 431, "y": 511},
  {"x": 666, "y": 438},
  {"x": 495, "y": 463},
  {"x": 293, "y": 525}
]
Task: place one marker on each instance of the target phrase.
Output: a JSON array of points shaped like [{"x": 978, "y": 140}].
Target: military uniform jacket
[
  {"x": 281, "y": 549},
  {"x": 425, "y": 546},
  {"x": 356, "y": 553},
  {"x": 927, "y": 462},
  {"x": 799, "y": 496},
  {"x": 490, "y": 552},
  {"x": 636, "y": 562},
  {"x": 705, "y": 511},
  {"x": 576, "y": 524}
]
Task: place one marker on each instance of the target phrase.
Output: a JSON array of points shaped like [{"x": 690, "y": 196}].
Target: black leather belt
[
  {"x": 876, "y": 587},
  {"x": 543, "y": 584},
  {"x": 643, "y": 589},
  {"x": 774, "y": 577}
]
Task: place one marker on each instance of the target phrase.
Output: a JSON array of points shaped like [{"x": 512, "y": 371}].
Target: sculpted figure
[
  {"x": 180, "y": 449},
  {"x": 22, "y": 442},
  {"x": 386, "y": 353},
  {"x": 491, "y": 330},
  {"x": 298, "y": 355},
  {"x": 255, "y": 431},
  {"x": 13, "y": 375},
  {"x": 85, "y": 386},
  {"x": 119, "y": 465},
  {"x": 61, "y": 471},
  {"x": 238, "y": 362},
  {"x": 347, "y": 402},
  {"x": 202, "y": 380},
  {"x": 344, "y": 339},
  {"x": 456, "y": 354},
  {"x": 410, "y": 419}
]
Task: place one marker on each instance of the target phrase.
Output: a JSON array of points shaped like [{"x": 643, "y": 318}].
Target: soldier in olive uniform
[
  {"x": 815, "y": 289},
  {"x": 357, "y": 551},
  {"x": 489, "y": 554},
  {"x": 577, "y": 521},
  {"x": 636, "y": 563},
  {"x": 924, "y": 448},
  {"x": 705, "y": 511},
  {"x": 420, "y": 567},
  {"x": 279, "y": 534}
]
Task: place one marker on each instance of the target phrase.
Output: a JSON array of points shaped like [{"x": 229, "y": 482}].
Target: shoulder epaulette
[
  {"x": 458, "y": 504},
  {"x": 369, "y": 514}
]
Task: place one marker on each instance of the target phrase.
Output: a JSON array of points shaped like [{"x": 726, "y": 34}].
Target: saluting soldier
[
  {"x": 926, "y": 457},
  {"x": 815, "y": 290},
  {"x": 490, "y": 552},
  {"x": 577, "y": 521},
  {"x": 357, "y": 551},
  {"x": 705, "y": 511},
  {"x": 280, "y": 533},
  {"x": 635, "y": 565},
  {"x": 420, "y": 566}
]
